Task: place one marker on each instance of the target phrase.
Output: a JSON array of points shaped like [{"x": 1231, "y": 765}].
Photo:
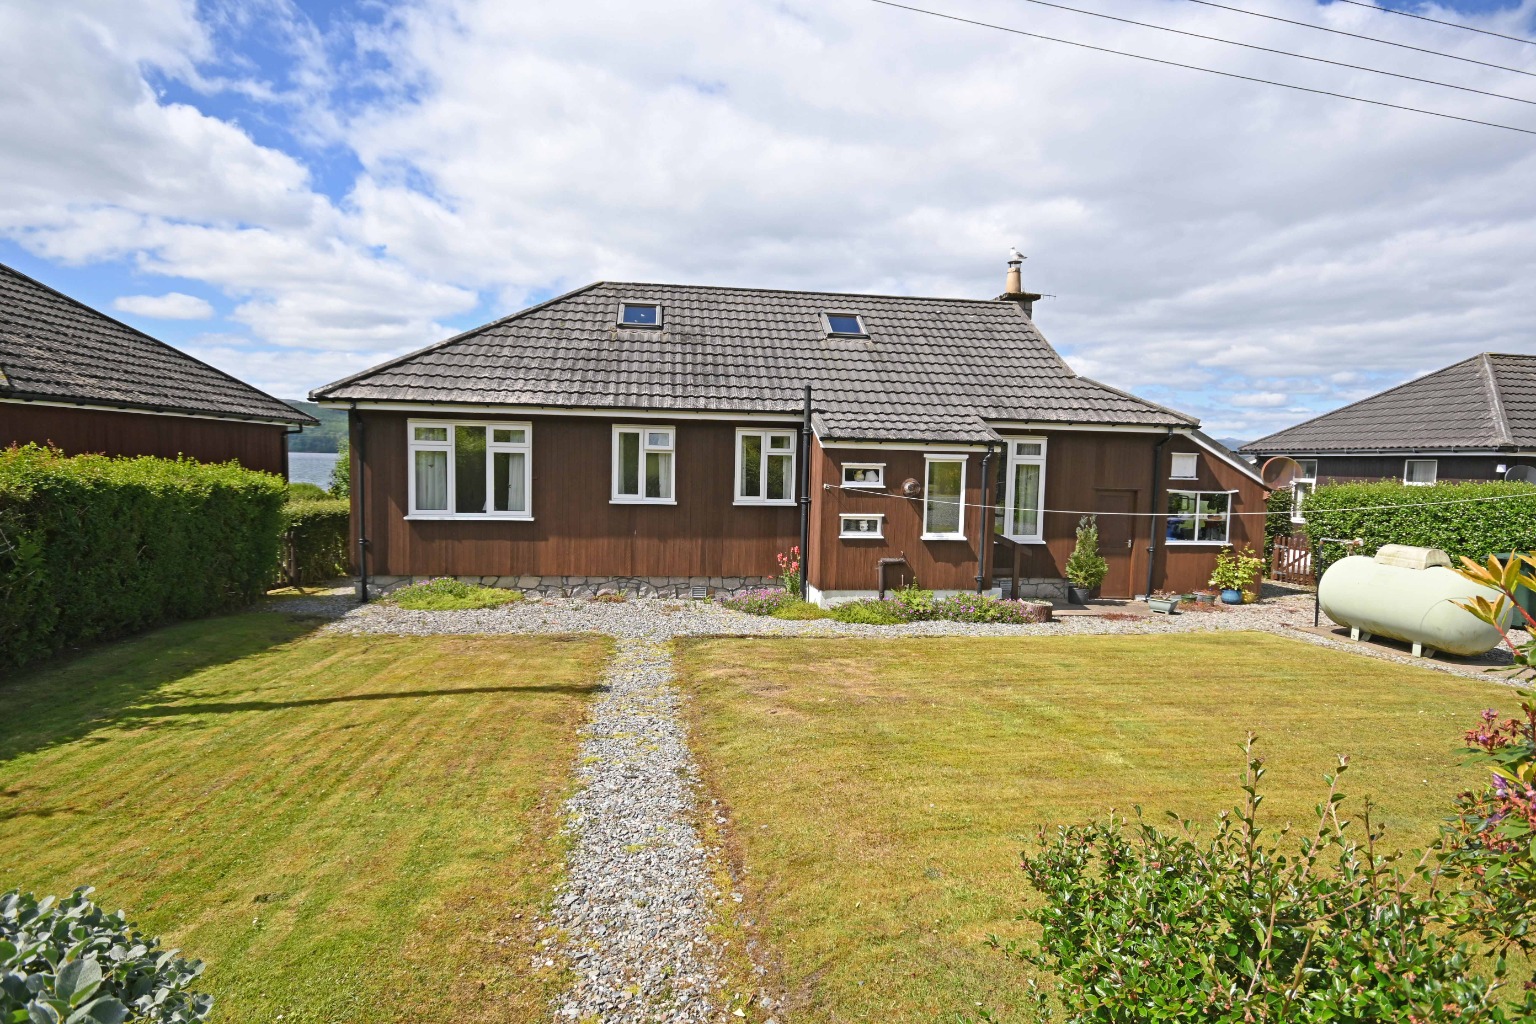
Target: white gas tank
[{"x": 1408, "y": 594}]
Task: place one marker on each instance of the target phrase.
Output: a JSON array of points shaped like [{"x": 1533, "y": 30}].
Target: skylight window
[
  {"x": 847, "y": 324},
  {"x": 640, "y": 314}
]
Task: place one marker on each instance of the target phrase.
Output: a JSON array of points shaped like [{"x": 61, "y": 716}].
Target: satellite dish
[
  {"x": 1279, "y": 471},
  {"x": 911, "y": 488},
  {"x": 1521, "y": 474}
]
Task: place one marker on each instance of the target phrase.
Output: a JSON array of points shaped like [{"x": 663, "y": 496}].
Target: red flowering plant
[{"x": 789, "y": 569}]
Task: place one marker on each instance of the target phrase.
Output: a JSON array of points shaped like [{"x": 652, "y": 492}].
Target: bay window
[
  {"x": 1199, "y": 517},
  {"x": 643, "y": 465},
  {"x": 765, "y": 467},
  {"x": 943, "y": 497},
  {"x": 470, "y": 470},
  {"x": 1024, "y": 490}
]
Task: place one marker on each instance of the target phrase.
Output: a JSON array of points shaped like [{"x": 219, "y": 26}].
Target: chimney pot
[{"x": 1013, "y": 288}]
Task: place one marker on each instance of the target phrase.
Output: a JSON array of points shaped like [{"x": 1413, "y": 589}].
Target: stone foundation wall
[
  {"x": 591, "y": 586},
  {"x": 1040, "y": 587}
]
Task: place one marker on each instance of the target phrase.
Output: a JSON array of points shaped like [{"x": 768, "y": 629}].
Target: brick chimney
[{"x": 1013, "y": 288}]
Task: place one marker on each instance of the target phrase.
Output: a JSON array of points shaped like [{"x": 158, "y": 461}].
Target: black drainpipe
[
  {"x": 360, "y": 495},
  {"x": 985, "y": 534},
  {"x": 1157, "y": 478},
  {"x": 805, "y": 500}
]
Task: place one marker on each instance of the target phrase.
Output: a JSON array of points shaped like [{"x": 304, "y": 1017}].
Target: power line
[
  {"x": 1357, "y": 35},
  {"x": 1437, "y": 21},
  {"x": 1283, "y": 53},
  {"x": 1209, "y": 71}
]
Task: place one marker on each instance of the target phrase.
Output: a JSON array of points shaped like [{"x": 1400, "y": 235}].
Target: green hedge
[
  {"x": 93, "y": 547},
  {"x": 1475, "y": 529},
  {"x": 318, "y": 540},
  {"x": 1279, "y": 504}
]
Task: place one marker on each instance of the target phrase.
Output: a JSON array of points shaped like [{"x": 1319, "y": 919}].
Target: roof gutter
[{"x": 298, "y": 418}]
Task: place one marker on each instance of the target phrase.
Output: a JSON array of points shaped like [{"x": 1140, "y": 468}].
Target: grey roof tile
[
  {"x": 931, "y": 369},
  {"x": 55, "y": 348},
  {"x": 1486, "y": 402}
]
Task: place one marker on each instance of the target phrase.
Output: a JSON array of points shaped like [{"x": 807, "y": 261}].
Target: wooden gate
[{"x": 1291, "y": 561}]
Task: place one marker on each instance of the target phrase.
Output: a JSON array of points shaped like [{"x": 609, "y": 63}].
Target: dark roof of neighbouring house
[
  {"x": 930, "y": 370},
  {"x": 53, "y": 348},
  {"x": 1484, "y": 403}
]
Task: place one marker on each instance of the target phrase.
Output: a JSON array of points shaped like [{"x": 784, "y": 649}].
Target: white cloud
[
  {"x": 170, "y": 306},
  {"x": 1245, "y": 252}
]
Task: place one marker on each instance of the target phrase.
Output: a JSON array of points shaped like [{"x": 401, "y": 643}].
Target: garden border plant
[{"x": 446, "y": 594}]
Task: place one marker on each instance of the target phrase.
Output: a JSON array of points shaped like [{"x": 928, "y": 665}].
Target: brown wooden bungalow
[
  {"x": 75, "y": 378},
  {"x": 657, "y": 438}
]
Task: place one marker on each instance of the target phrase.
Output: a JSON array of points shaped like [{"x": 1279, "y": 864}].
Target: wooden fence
[{"x": 1291, "y": 561}]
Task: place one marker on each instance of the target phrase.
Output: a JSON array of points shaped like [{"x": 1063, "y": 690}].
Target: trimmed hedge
[
  {"x": 93, "y": 547},
  {"x": 1475, "y": 529},
  {"x": 1279, "y": 504},
  {"x": 318, "y": 540}
]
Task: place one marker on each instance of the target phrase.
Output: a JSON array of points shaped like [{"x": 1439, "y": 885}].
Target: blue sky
[{"x": 296, "y": 191}]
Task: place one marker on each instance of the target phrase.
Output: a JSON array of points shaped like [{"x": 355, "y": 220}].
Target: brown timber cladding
[
  {"x": 576, "y": 529},
  {"x": 110, "y": 432}
]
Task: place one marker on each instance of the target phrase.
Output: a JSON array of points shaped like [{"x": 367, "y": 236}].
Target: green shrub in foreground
[
  {"x": 69, "y": 961},
  {"x": 93, "y": 547},
  {"x": 796, "y": 610},
  {"x": 1142, "y": 925},
  {"x": 319, "y": 539},
  {"x": 446, "y": 594}
]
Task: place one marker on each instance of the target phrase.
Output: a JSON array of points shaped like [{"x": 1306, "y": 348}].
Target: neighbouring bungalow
[
  {"x": 1474, "y": 420},
  {"x": 666, "y": 439},
  {"x": 75, "y": 378}
]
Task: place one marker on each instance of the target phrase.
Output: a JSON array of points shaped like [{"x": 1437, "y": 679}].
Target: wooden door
[{"x": 1116, "y": 536}]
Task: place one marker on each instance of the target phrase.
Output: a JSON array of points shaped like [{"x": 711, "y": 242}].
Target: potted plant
[
  {"x": 1205, "y": 597},
  {"x": 1235, "y": 571},
  {"x": 1086, "y": 568},
  {"x": 1164, "y": 601}
]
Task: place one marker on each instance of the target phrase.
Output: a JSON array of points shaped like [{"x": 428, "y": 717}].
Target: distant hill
[
  {"x": 1231, "y": 442},
  {"x": 327, "y": 437}
]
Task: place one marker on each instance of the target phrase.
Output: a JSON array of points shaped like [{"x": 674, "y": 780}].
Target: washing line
[{"x": 1077, "y": 512}]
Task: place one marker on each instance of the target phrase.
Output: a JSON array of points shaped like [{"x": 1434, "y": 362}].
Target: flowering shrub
[
  {"x": 1144, "y": 925},
  {"x": 789, "y": 569},
  {"x": 763, "y": 601},
  {"x": 985, "y": 608}
]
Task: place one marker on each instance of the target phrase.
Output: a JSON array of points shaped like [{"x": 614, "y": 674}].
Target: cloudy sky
[{"x": 294, "y": 191}]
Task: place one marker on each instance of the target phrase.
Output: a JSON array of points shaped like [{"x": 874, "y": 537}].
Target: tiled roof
[
  {"x": 54, "y": 348},
  {"x": 1486, "y": 402},
  {"x": 930, "y": 370}
]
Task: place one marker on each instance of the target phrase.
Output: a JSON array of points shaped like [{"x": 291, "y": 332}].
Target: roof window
[
  {"x": 640, "y": 314},
  {"x": 849, "y": 325}
]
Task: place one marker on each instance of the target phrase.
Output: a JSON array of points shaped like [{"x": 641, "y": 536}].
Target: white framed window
[
  {"x": 461, "y": 470},
  {"x": 1199, "y": 517},
  {"x": 1186, "y": 466},
  {"x": 844, "y": 325},
  {"x": 1304, "y": 484},
  {"x": 861, "y": 526},
  {"x": 644, "y": 464},
  {"x": 1024, "y": 490},
  {"x": 640, "y": 314},
  {"x": 944, "y": 497},
  {"x": 863, "y": 474},
  {"x": 765, "y": 467},
  {"x": 1420, "y": 472}
]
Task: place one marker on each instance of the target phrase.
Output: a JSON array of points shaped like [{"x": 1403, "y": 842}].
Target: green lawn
[
  {"x": 346, "y": 829},
  {"x": 880, "y": 791}
]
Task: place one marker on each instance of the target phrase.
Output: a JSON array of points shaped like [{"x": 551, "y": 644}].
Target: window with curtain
[
  {"x": 643, "y": 468},
  {"x": 1199, "y": 517},
  {"x": 1421, "y": 472},
  {"x": 943, "y": 493},
  {"x": 470, "y": 470},
  {"x": 765, "y": 467},
  {"x": 1023, "y": 491}
]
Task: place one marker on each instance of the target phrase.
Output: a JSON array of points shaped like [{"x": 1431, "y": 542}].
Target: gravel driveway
[{"x": 637, "y": 917}]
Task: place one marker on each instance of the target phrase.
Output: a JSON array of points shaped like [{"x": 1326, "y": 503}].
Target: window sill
[
  {"x": 860, "y": 536},
  {"x": 1184, "y": 478},
  {"x": 756, "y": 503},
  {"x": 942, "y": 536},
  {"x": 642, "y": 501},
  {"x": 864, "y": 487},
  {"x": 1196, "y": 543},
  {"x": 468, "y": 517},
  {"x": 1022, "y": 540}
]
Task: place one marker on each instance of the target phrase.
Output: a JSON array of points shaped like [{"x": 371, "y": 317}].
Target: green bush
[
  {"x": 307, "y": 492},
  {"x": 68, "y": 960},
  {"x": 870, "y": 611},
  {"x": 93, "y": 547},
  {"x": 341, "y": 473},
  {"x": 318, "y": 540},
  {"x": 1280, "y": 505},
  {"x": 1395, "y": 513},
  {"x": 796, "y": 610},
  {"x": 1087, "y": 568},
  {"x": 446, "y": 594},
  {"x": 1251, "y": 925}
]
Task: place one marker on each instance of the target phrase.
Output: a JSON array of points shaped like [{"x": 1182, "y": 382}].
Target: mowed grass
[
  {"x": 345, "y": 829},
  {"x": 881, "y": 791}
]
